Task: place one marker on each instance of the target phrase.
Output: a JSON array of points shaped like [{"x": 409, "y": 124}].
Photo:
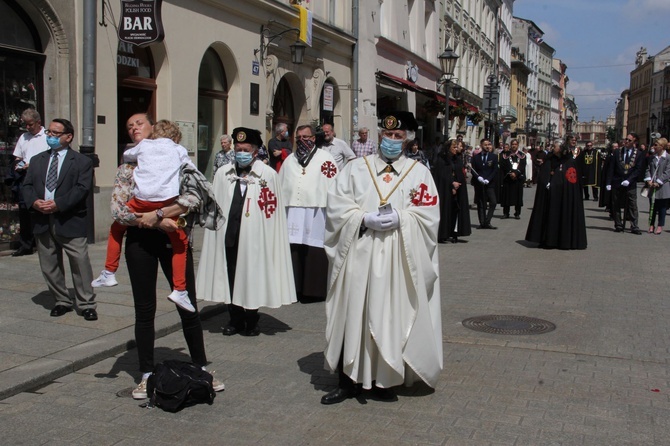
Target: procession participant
[
  {"x": 557, "y": 220},
  {"x": 622, "y": 176},
  {"x": 605, "y": 199},
  {"x": 513, "y": 172},
  {"x": 384, "y": 323},
  {"x": 451, "y": 187},
  {"x": 589, "y": 160},
  {"x": 246, "y": 262},
  {"x": 304, "y": 180},
  {"x": 484, "y": 179}
]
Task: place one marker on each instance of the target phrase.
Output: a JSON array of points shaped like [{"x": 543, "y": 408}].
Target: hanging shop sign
[{"x": 141, "y": 23}]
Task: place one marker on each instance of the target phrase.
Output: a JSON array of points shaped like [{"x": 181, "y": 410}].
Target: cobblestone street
[{"x": 600, "y": 378}]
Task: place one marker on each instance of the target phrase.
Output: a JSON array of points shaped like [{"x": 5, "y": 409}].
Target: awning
[{"x": 409, "y": 85}]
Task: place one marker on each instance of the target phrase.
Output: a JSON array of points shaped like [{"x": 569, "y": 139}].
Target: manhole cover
[
  {"x": 509, "y": 325},
  {"x": 125, "y": 393}
]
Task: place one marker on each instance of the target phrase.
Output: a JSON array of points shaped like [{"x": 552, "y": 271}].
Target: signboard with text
[{"x": 141, "y": 22}]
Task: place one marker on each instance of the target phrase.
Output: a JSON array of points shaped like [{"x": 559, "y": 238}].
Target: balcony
[{"x": 507, "y": 113}]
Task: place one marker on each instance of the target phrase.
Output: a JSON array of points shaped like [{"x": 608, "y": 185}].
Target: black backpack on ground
[{"x": 174, "y": 385}]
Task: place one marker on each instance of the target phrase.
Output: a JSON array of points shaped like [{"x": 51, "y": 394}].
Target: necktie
[
  {"x": 52, "y": 174},
  {"x": 486, "y": 155},
  {"x": 627, "y": 157}
]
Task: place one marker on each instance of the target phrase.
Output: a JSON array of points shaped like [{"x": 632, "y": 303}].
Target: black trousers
[
  {"x": 594, "y": 190},
  {"x": 26, "y": 238},
  {"x": 145, "y": 250},
  {"x": 240, "y": 317},
  {"x": 486, "y": 203}
]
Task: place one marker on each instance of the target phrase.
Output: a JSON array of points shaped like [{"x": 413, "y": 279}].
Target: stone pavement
[{"x": 601, "y": 378}]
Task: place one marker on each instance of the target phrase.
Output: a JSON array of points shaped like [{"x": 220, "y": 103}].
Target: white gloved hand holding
[
  {"x": 625, "y": 183},
  {"x": 548, "y": 184},
  {"x": 481, "y": 180},
  {"x": 486, "y": 182},
  {"x": 371, "y": 220},
  {"x": 390, "y": 221},
  {"x": 608, "y": 187}
]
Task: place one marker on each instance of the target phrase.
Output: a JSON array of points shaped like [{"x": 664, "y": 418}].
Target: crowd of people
[{"x": 306, "y": 221}]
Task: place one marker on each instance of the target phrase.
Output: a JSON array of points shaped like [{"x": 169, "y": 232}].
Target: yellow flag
[{"x": 305, "y": 25}]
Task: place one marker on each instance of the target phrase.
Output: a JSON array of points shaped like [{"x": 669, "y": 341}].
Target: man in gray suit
[{"x": 55, "y": 188}]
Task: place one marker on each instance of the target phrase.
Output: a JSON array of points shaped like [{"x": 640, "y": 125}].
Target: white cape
[
  {"x": 264, "y": 275},
  {"x": 383, "y": 302}
]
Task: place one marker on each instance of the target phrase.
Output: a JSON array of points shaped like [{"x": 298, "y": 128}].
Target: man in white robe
[
  {"x": 384, "y": 324},
  {"x": 247, "y": 262},
  {"x": 305, "y": 178}
]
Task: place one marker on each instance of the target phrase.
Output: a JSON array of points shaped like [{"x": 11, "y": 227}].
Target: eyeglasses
[
  {"x": 53, "y": 133},
  {"x": 629, "y": 140}
]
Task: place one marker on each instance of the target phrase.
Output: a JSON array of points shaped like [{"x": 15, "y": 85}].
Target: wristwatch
[{"x": 159, "y": 214}]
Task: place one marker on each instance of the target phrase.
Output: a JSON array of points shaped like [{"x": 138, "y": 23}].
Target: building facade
[{"x": 209, "y": 81}]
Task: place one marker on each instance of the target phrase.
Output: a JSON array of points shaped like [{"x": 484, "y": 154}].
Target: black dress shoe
[
  {"x": 618, "y": 229},
  {"x": 22, "y": 252},
  {"x": 340, "y": 394},
  {"x": 504, "y": 217},
  {"x": 517, "y": 217},
  {"x": 90, "y": 314},
  {"x": 635, "y": 231},
  {"x": 384, "y": 394},
  {"x": 230, "y": 330},
  {"x": 60, "y": 310},
  {"x": 442, "y": 240},
  {"x": 255, "y": 331},
  {"x": 490, "y": 226}
]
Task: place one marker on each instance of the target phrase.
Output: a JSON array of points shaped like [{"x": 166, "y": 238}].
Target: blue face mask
[
  {"x": 53, "y": 142},
  {"x": 243, "y": 159},
  {"x": 391, "y": 148},
  {"x": 286, "y": 134}
]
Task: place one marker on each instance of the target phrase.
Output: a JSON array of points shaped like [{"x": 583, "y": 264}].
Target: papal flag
[{"x": 305, "y": 25}]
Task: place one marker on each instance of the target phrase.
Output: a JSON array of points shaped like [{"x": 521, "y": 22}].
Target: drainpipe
[
  {"x": 354, "y": 80},
  {"x": 87, "y": 145}
]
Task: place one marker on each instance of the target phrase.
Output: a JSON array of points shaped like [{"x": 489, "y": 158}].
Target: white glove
[
  {"x": 608, "y": 187},
  {"x": 486, "y": 182},
  {"x": 378, "y": 222},
  {"x": 481, "y": 180},
  {"x": 625, "y": 183},
  {"x": 548, "y": 184}
]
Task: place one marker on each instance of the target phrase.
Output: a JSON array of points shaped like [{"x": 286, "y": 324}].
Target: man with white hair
[
  {"x": 363, "y": 145},
  {"x": 279, "y": 147},
  {"x": 384, "y": 324},
  {"x": 226, "y": 155},
  {"x": 336, "y": 147}
]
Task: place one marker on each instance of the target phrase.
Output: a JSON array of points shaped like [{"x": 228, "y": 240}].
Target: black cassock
[
  {"x": 454, "y": 209},
  {"x": 605, "y": 199},
  {"x": 557, "y": 220},
  {"x": 511, "y": 191},
  {"x": 589, "y": 161}
]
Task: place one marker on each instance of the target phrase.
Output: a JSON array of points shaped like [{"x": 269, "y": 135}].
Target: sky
[{"x": 597, "y": 40}]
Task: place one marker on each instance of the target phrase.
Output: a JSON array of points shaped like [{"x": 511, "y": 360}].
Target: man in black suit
[
  {"x": 484, "y": 179},
  {"x": 624, "y": 169},
  {"x": 56, "y": 187}
]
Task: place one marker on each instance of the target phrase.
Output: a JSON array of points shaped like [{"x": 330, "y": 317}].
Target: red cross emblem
[
  {"x": 571, "y": 175},
  {"x": 329, "y": 169},
  {"x": 423, "y": 198},
  {"x": 388, "y": 178},
  {"x": 267, "y": 201}
]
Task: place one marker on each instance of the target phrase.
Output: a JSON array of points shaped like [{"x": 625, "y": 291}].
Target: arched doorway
[
  {"x": 283, "y": 108},
  {"x": 21, "y": 87},
  {"x": 212, "y": 109},
  {"x": 136, "y": 87}
]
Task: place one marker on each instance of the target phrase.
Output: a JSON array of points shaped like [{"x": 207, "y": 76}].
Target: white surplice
[
  {"x": 383, "y": 303},
  {"x": 263, "y": 275}
]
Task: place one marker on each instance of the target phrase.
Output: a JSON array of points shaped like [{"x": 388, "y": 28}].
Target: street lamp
[
  {"x": 297, "y": 48},
  {"x": 652, "y": 121},
  {"x": 529, "y": 112},
  {"x": 448, "y": 64}
]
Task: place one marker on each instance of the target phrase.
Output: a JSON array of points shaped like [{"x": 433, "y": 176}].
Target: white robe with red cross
[
  {"x": 383, "y": 303},
  {"x": 263, "y": 275}
]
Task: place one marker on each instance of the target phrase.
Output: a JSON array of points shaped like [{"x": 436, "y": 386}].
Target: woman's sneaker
[
  {"x": 140, "y": 392},
  {"x": 181, "y": 299},
  {"x": 106, "y": 278}
]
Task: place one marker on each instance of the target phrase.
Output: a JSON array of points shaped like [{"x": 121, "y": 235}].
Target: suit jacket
[
  {"x": 488, "y": 171},
  {"x": 74, "y": 184},
  {"x": 660, "y": 174},
  {"x": 617, "y": 170}
]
